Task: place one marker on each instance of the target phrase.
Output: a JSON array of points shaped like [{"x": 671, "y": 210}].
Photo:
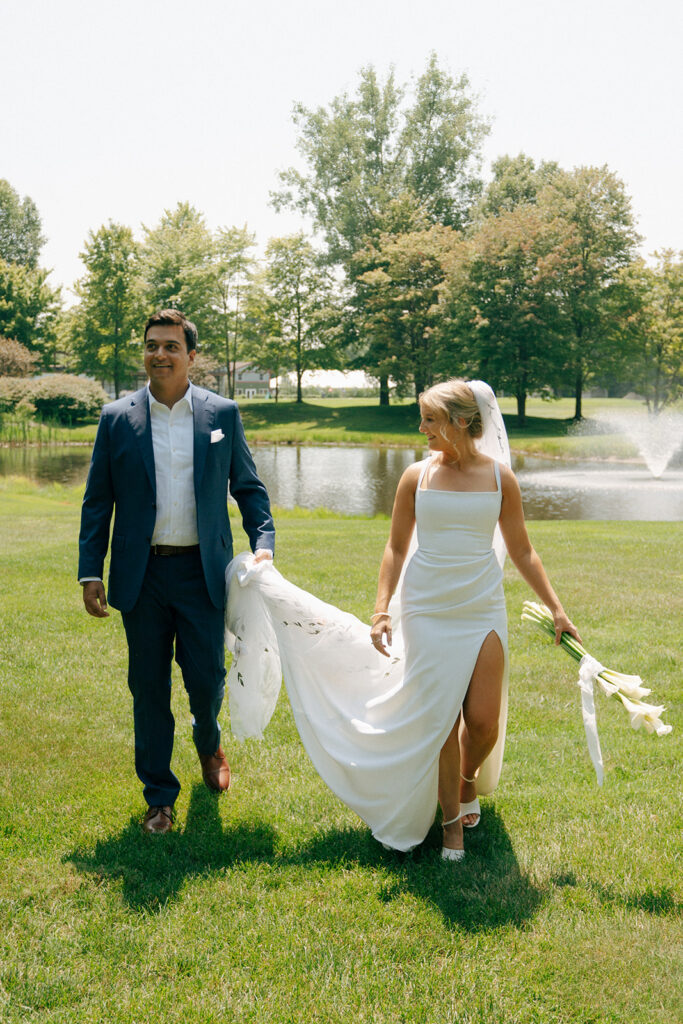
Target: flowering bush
[
  {"x": 67, "y": 399},
  {"x": 59, "y": 396},
  {"x": 14, "y": 390},
  {"x": 15, "y": 359}
]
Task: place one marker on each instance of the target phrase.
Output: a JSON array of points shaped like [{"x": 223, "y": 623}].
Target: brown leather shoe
[
  {"x": 158, "y": 820},
  {"x": 216, "y": 771}
]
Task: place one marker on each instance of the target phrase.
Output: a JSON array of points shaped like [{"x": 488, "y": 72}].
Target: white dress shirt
[{"x": 173, "y": 443}]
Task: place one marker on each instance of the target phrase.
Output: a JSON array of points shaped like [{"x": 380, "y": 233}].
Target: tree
[
  {"x": 516, "y": 182},
  {"x": 265, "y": 343},
  {"x": 15, "y": 359},
  {"x": 176, "y": 265},
  {"x": 106, "y": 327},
  {"x": 651, "y": 335},
  {"x": 29, "y": 308},
  {"x": 203, "y": 371},
  {"x": 232, "y": 266},
  {"x": 376, "y": 164},
  {"x": 501, "y": 293},
  {"x": 441, "y": 138},
  {"x": 591, "y": 214},
  {"x": 301, "y": 288},
  {"x": 20, "y": 228},
  {"x": 399, "y": 293}
]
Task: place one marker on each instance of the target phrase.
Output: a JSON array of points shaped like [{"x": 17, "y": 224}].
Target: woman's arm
[
  {"x": 524, "y": 556},
  {"x": 402, "y": 524}
]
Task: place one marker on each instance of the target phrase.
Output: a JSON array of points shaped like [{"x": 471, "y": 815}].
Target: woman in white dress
[
  {"x": 453, "y": 608},
  {"x": 383, "y": 731}
]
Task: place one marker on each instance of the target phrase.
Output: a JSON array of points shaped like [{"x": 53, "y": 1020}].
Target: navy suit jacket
[{"x": 122, "y": 480}]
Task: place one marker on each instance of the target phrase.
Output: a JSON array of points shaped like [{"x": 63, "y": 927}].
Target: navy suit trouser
[{"x": 173, "y": 610}]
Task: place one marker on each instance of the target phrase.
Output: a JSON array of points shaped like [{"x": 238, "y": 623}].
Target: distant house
[{"x": 251, "y": 382}]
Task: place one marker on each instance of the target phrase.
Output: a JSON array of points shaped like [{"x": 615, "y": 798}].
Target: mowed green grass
[{"x": 274, "y": 904}]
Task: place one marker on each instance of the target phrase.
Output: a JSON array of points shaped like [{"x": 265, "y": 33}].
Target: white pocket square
[{"x": 217, "y": 435}]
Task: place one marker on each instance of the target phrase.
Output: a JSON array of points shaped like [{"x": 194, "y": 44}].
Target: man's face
[{"x": 167, "y": 360}]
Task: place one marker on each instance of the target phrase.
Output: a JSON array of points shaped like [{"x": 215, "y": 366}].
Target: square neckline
[{"x": 443, "y": 490}]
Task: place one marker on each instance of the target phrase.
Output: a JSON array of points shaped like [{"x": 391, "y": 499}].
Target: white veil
[{"x": 493, "y": 442}]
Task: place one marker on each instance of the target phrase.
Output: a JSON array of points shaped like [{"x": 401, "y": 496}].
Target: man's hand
[
  {"x": 263, "y": 554},
  {"x": 94, "y": 599}
]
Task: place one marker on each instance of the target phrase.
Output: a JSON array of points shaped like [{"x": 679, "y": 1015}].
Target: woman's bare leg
[
  {"x": 480, "y": 712},
  {"x": 449, "y": 788}
]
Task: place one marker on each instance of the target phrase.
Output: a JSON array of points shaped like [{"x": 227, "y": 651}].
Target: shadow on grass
[
  {"x": 657, "y": 902},
  {"x": 153, "y": 869},
  {"x": 486, "y": 891}
]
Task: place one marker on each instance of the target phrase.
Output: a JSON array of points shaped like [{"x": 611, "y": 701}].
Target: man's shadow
[
  {"x": 153, "y": 869},
  {"x": 485, "y": 891}
]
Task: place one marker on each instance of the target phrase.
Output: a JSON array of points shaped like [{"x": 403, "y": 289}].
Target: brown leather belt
[{"x": 173, "y": 549}]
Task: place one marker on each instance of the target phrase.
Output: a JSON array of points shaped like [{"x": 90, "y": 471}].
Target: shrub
[
  {"x": 67, "y": 399},
  {"x": 14, "y": 390},
  {"x": 203, "y": 372},
  {"x": 15, "y": 359}
]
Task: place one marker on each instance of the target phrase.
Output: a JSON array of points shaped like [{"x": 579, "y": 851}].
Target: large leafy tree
[
  {"x": 516, "y": 181},
  {"x": 650, "y": 329},
  {"x": 176, "y": 265},
  {"x": 265, "y": 343},
  {"x": 106, "y": 327},
  {"x": 590, "y": 212},
  {"x": 29, "y": 306},
  {"x": 398, "y": 282},
  {"x": 21, "y": 237},
  {"x": 232, "y": 268},
  {"x": 29, "y": 309},
  {"x": 505, "y": 322},
  {"x": 382, "y": 162},
  {"x": 302, "y": 289}
]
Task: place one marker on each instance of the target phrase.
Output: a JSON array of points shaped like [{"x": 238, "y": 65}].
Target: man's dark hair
[{"x": 174, "y": 316}]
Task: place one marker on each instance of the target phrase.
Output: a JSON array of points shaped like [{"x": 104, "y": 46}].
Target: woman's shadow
[{"x": 485, "y": 891}]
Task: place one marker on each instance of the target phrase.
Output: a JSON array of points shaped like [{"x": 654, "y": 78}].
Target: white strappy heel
[
  {"x": 446, "y": 852},
  {"x": 472, "y": 807}
]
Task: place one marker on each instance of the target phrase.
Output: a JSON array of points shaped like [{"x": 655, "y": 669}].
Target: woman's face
[{"x": 441, "y": 434}]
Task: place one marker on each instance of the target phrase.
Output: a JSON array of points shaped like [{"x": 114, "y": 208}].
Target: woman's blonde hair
[{"x": 454, "y": 399}]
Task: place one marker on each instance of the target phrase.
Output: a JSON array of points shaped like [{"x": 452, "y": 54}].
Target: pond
[{"x": 362, "y": 481}]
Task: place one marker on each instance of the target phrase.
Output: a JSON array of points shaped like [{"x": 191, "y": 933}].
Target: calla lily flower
[{"x": 629, "y": 689}]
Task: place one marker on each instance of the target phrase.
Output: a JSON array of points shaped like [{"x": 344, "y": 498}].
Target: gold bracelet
[{"x": 378, "y": 615}]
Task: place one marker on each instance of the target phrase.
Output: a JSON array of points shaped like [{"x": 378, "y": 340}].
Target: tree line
[{"x": 415, "y": 269}]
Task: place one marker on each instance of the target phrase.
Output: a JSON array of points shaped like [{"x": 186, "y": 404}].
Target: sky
[{"x": 119, "y": 111}]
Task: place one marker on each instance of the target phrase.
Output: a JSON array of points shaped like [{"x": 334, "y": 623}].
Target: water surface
[{"x": 362, "y": 481}]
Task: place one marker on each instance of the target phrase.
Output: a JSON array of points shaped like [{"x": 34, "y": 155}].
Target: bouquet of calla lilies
[{"x": 629, "y": 689}]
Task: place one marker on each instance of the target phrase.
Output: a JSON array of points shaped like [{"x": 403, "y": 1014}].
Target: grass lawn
[
  {"x": 273, "y": 904},
  {"x": 549, "y": 429}
]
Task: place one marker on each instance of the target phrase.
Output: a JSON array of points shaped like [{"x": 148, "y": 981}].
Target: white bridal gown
[{"x": 373, "y": 726}]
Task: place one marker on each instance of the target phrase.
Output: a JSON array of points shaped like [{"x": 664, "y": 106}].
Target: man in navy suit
[{"x": 162, "y": 462}]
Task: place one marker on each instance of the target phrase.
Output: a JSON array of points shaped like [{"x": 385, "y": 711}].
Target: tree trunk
[
  {"x": 384, "y": 390},
  {"x": 520, "y": 394},
  {"x": 656, "y": 403},
  {"x": 228, "y": 382},
  {"x": 117, "y": 368},
  {"x": 578, "y": 395},
  {"x": 299, "y": 375}
]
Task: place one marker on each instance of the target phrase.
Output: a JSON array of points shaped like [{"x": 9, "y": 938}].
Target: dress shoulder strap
[{"x": 422, "y": 473}]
